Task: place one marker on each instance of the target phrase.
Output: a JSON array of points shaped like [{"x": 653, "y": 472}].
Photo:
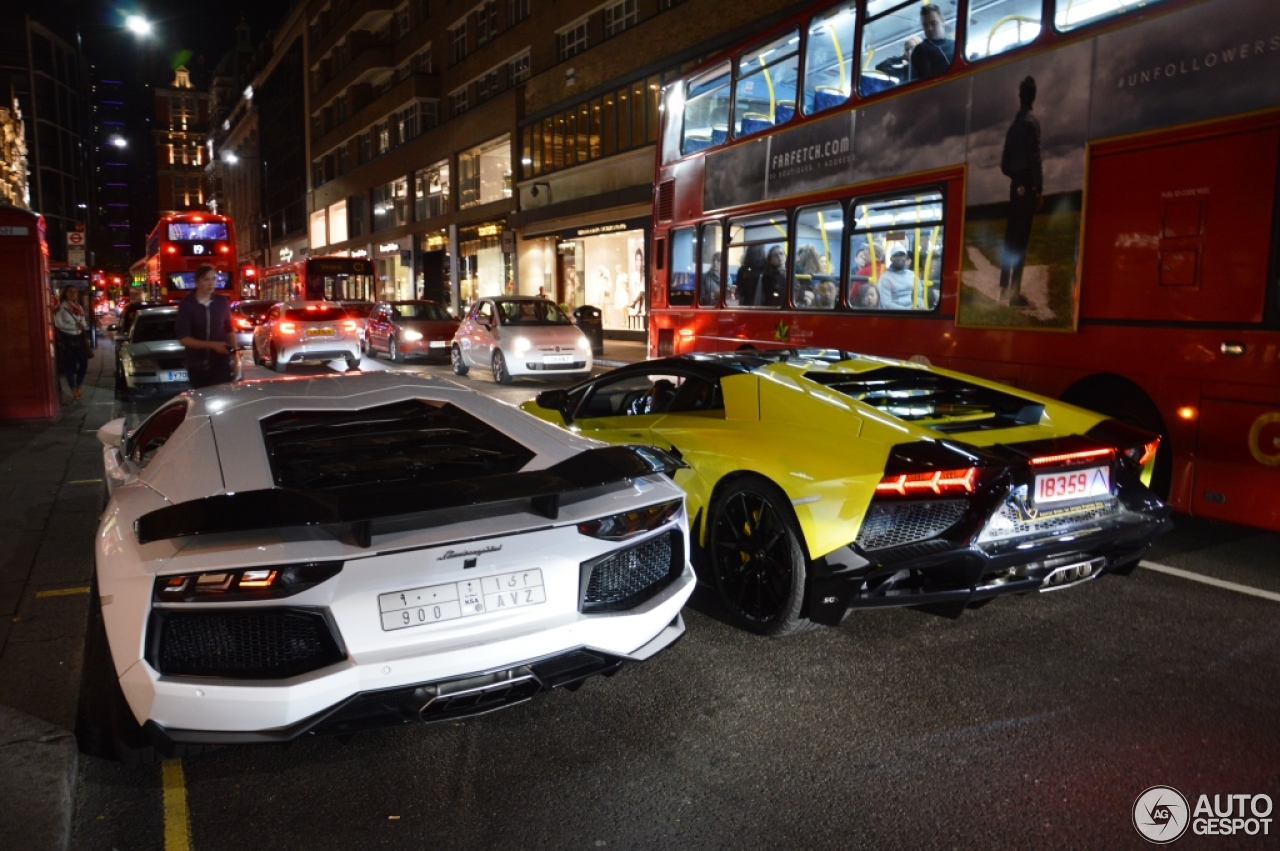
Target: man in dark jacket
[
  {"x": 205, "y": 330},
  {"x": 1020, "y": 162},
  {"x": 932, "y": 56}
]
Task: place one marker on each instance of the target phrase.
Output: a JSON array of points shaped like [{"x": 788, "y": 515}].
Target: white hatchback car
[
  {"x": 299, "y": 331},
  {"x": 517, "y": 336},
  {"x": 286, "y": 558}
]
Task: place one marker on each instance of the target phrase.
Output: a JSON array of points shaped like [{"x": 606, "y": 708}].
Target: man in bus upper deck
[
  {"x": 206, "y": 332},
  {"x": 932, "y": 56}
]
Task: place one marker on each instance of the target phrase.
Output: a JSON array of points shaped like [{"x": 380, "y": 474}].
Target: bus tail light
[
  {"x": 223, "y": 248},
  {"x": 931, "y": 483},
  {"x": 171, "y": 249},
  {"x": 288, "y": 328}
]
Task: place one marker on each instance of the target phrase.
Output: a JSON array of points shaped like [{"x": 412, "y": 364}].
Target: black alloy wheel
[
  {"x": 757, "y": 558},
  {"x": 275, "y": 363},
  {"x": 501, "y": 375},
  {"x": 459, "y": 365}
]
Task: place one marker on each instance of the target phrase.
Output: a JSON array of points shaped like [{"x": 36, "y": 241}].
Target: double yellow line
[{"x": 177, "y": 821}]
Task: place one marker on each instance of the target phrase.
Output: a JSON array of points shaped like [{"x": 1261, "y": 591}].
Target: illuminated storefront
[
  {"x": 603, "y": 265},
  {"x": 484, "y": 268}
]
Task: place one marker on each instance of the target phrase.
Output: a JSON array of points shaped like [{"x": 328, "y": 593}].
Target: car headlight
[
  {"x": 617, "y": 527},
  {"x": 522, "y": 344},
  {"x": 584, "y": 343},
  {"x": 411, "y": 336}
]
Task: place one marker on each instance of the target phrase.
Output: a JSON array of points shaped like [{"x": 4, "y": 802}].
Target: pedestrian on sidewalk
[
  {"x": 205, "y": 331},
  {"x": 72, "y": 348}
]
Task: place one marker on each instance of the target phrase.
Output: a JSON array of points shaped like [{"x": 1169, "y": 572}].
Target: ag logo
[{"x": 1160, "y": 814}]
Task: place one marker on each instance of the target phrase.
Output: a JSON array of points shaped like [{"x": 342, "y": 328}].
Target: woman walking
[{"x": 69, "y": 320}]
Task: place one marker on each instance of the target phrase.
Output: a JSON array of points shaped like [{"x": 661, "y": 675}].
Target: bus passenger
[
  {"x": 898, "y": 66},
  {"x": 710, "y": 291},
  {"x": 750, "y": 293},
  {"x": 804, "y": 290},
  {"x": 932, "y": 56},
  {"x": 774, "y": 280},
  {"x": 896, "y": 283},
  {"x": 868, "y": 297}
]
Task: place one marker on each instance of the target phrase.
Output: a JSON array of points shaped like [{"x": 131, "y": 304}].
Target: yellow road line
[
  {"x": 177, "y": 825},
  {"x": 62, "y": 592}
]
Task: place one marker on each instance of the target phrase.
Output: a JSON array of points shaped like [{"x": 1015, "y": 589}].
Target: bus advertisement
[
  {"x": 1076, "y": 198},
  {"x": 319, "y": 279},
  {"x": 179, "y": 244}
]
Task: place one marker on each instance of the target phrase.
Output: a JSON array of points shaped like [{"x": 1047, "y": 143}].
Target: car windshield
[
  {"x": 154, "y": 327},
  {"x": 316, "y": 313},
  {"x": 419, "y": 310},
  {"x": 531, "y": 312}
]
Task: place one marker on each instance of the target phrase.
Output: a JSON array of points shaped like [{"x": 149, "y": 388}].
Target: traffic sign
[
  {"x": 75, "y": 257},
  {"x": 75, "y": 239}
]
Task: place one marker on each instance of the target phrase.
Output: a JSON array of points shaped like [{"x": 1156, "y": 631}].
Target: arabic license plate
[
  {"x": 436, "y": 603},
  {"x": 319, "y": 332},
  {"x": 1075, "y": 484},
  {"x": 176, "y": 375},
  {"x": 437, "y": 344},
  {"x": 557, "y": 358}
]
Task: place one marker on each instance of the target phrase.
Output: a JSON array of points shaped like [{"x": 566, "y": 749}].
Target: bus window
[
  {"x": 682, "y": 269},
  {"x": 709, "y": 266},
  {"x": 815, "y": 276},
  {"x": 706, "y": 110},
  {"x": 895, "y": 247},
  {"x": 758, "y": 260},
  {"x": 829, "y": 58},
  {"x": 1000, "y": 26},
  {"x": 1069, "y": 14},
  {"x": 765, "y": 94},
  {"x": 895, "y": 48}
]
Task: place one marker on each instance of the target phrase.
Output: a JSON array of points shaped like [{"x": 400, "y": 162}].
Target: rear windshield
[
  {"x": 420, "y": 311},
  {"x": 417, "y": 441},
  {"x": 358, "y": 309},
  {"x": 256, "y": 309},
  {"x": 532, "y": 313},
  {"x": 151, "y": 328},
  {"x": 937, "y": 401},
  {"x": 316, "y": 313}
]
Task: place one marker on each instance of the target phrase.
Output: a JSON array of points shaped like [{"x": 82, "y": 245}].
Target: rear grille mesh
[
  {"x": 626, "y": 578},
  {"x": 892, "y": 524},
  {"x": 1018, "y": 526},
  {"x": 259, "y": 644}
]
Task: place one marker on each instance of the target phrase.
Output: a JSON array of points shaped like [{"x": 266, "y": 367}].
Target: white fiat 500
[
  {"x": 520, "y": 336},
  {"x": 291, "y": 557}
]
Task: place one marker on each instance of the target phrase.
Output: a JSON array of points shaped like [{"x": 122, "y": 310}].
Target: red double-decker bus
[
  {"x": 319, "y": 279},
  {"x": 1078, "y": 197},
  {"x": 179, "y": 244}
]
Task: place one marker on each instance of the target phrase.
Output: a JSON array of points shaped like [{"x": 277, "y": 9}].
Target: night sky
[{"x": 184, "y": 29}]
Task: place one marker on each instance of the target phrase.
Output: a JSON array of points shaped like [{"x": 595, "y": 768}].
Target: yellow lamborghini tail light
[{"x": 935, "y": 482}]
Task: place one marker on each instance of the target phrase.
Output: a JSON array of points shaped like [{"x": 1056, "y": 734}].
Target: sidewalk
[
  {"x": 49, "y": 506},
  {"x": 622, "y": 352}
]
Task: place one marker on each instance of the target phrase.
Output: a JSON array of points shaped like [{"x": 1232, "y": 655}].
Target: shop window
[
  {"x": 431, "y": 191},
  {"x": 1000, "y": 26},
  {"x": 757, "y": 260},
  {"x": 829, "y": 59},
  {"x": 484, "y": 173},
  {"x": 895, "y": 251},
  {"x": 815, "y": 272},
  {"x": 765, "y": 93}
]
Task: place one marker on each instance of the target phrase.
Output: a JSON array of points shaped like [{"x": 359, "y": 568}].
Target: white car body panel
[{"x": 218, "y": 449}]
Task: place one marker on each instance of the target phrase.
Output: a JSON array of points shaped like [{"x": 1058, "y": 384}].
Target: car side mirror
[
  {"x": 112, "y": 433},
  {"x": 554, "y": 400}
]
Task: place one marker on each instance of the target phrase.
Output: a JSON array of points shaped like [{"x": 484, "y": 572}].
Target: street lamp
[{"x": 138, "y": 25}]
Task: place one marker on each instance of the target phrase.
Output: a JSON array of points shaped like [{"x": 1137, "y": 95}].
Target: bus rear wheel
[{"x": 1125, "y": 401}]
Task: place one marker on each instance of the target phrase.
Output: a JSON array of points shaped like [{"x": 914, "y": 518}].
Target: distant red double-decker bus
[
  {"x": 179, "y": 244},
  {"x": 1077, "y": 198},
  {"x": 319, "y": 279}
]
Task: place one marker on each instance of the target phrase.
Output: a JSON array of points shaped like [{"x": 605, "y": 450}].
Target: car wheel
[
  {"x": 757, "y": 559},
  {"x": 459, "y": 365},
  {"x": 353, "y": 364},
  {"x": 122, "y": 387},
  {"x": 275, "y": 363},
  {"x": 105, "y": 726},
  {"x": 501, "y": 374},
  {"x": 393, "y": 350}
]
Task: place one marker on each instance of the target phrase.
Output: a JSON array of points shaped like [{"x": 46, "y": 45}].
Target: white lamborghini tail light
[
  {"x": 617, "y": 527},
  {"x": 248, "y": 584}
]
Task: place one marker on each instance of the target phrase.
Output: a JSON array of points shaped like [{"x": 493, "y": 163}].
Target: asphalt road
[{"x": 1033, "y": 722}]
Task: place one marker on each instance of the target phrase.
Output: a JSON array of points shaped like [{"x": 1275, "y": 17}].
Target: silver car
[
  {"x": 152, "y": 361},
  {"x": 298, "y": 331},
  {"x": 520, "y": 336}
]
